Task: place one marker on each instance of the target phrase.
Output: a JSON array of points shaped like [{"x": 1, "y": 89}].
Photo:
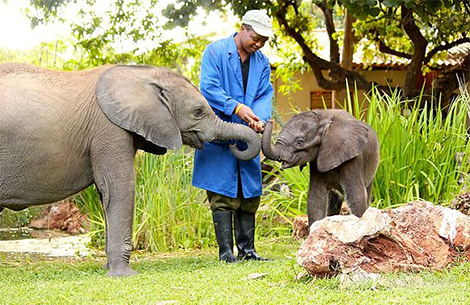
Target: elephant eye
[
  {"x": 299, "y": 142},
  {"x": 199, "y": 112}
]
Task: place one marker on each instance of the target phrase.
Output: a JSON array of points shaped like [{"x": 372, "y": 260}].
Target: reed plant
[
  {"x": 169, "y": 212},
  {"x": 419, "y": 146}
]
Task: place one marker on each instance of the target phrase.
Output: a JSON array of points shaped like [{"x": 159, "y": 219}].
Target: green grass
[{"x": 196, "y": 277}]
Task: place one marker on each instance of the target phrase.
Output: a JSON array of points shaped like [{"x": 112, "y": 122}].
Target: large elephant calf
[{"x": 63, "y": 131}]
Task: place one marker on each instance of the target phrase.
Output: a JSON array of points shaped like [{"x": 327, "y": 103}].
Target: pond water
[
  {"x": 29, "y": 243},
  {"x": 15, "y": 233},
  {"x": 27, "y": 233}
]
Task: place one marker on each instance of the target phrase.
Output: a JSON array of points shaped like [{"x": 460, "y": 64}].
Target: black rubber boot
[
  {"x": 245, "y": 236},
  {"x": 224, "y": 235}
]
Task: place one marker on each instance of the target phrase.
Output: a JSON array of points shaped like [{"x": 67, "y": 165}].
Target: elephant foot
[
  {"x": 121, "y": 272},
  {"x": 118, "y": 265}
]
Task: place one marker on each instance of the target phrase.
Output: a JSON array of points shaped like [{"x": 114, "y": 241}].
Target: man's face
[{"x": 251, "y": 41}]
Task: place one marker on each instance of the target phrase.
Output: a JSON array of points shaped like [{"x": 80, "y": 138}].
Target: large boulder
[{"x": 417, "y": 236}]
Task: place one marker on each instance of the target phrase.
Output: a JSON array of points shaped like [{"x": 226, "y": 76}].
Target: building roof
[{"x": 454, "y": 57}]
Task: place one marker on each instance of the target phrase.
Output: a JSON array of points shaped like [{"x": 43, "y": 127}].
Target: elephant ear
[
  {"x": 132, "y": 98},
  {"x": 342, "y": 140}
]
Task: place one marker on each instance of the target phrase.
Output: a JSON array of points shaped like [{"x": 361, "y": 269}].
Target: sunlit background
[{"x": 16, "y": 31}]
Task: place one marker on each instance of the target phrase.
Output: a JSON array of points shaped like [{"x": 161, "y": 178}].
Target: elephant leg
[
  {"x": 369, "y": 193},
  {"x": 335, "y": 201},
  {"x": 357, "y": 198},
  {"x": 114, "y": 178},
  {"x": 317, "y": 200}
]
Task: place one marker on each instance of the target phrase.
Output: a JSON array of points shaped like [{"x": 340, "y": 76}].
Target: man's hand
[
  {"x": 246, "y": 114},
  {"x": 257, "y": 126}
]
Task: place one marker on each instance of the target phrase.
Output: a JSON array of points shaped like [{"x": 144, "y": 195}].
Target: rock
[
  {"x": 417, "y": 236},
  {"x": 300, "y": 223},
  {"x": 63, "y": 215},
  {"x": 462, "y": 203},
  {"x": 300, "y": 227}
]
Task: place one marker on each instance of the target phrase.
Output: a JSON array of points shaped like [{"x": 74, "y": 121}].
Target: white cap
[{"x": 259, "y": 21}]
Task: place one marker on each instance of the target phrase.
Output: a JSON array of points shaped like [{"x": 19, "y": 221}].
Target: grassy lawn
[{"x": 196, "y": 277}]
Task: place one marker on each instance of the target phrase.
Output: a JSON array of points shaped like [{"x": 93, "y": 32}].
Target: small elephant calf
[{"x": 343, "y": 153}]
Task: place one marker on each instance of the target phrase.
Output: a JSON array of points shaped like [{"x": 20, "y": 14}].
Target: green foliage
[
  {"x": 138, "y": 23},
  {"x": 47, "y": 55},
  {"x": 11, "y": 219},
  {"x": 125, "y": 32},
  {"x": 418, "y": 149},
  {"x": 49, "y": 8}
]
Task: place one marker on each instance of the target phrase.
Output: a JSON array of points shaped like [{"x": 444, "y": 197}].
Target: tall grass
[
  {"x": 169, "y": 212},
  {"x": 283, "y": 199},
  {"x": 418, "y": 149}
]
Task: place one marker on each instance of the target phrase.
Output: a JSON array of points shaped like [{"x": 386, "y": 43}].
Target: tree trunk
[
  {"x": 338, "y": 75},
  {"x": 420, "y": 43},
  {"x": 346, "y": 56}
]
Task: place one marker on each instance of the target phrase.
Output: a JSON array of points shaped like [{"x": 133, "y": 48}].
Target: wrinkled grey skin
[
  {"x": 63, "y": 131},
  {"x": 343, "y": 154}
]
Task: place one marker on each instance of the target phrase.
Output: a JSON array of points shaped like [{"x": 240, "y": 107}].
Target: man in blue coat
[{"x": 235, "y": 80}]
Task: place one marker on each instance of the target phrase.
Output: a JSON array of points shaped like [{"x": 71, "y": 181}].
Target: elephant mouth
[
  {"x": 192, "y": 139},
  {"x": 286, "y": 165},
  {"x": 290, "y": 162}
]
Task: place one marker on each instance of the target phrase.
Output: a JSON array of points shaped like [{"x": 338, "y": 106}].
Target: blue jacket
[{"x": 215, "y": 167}]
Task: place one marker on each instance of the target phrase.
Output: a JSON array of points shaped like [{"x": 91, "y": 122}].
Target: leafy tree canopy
[
  {"x": 121, "y": 32},
  {"x": 420, "y": 32}
]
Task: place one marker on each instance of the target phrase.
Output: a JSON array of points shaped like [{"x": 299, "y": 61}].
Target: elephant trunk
[
  {"x": 232, "y": 131},
  {"x": 270, "y": 151}
]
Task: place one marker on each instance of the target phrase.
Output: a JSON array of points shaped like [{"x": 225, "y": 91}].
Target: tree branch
[
  {"x": 385, "y": 49},
  {"x": 330, "y": 28},
  {"x": 445, "y": 47},
  {"x": 318, "y": 64}
]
